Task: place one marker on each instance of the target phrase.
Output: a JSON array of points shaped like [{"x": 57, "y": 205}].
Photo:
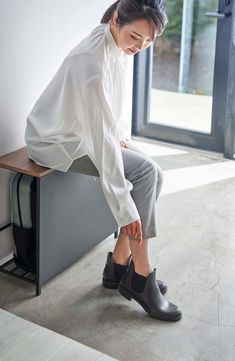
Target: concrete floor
[{"x": 193, "y": 253}]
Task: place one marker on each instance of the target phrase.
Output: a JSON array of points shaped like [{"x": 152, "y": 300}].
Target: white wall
[{"x": 35, "y": 36}]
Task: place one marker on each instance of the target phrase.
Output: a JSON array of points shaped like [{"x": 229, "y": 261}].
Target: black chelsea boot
[
  {"x": 151, "y": 299},
  {"x": 112, "y": 277}
]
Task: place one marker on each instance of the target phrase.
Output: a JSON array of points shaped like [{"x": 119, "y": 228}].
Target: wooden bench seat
[{"x": 19, "y": 161}]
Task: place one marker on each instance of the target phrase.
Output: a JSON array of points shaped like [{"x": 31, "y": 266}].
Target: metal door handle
[{"x": 218, "y": 15}]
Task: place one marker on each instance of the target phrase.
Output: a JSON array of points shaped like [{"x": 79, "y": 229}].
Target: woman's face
[{"x": 132, "y": 38}]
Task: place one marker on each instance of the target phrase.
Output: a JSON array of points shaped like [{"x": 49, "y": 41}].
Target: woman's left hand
[{"x": 123, "y": 144}]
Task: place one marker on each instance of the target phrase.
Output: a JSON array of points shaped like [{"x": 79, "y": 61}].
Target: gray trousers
[{"x": 146, "y": 177}]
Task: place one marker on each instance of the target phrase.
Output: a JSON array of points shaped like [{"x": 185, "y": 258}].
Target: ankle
[
  {"x": 143, "y": 269},
  {"x": 121, "y": 259}
]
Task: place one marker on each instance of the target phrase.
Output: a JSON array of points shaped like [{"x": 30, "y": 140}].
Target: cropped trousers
[{"x": 145, "y": 175}]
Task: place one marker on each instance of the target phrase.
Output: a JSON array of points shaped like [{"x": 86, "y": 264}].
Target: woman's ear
[{"x": 115, "y": 19}]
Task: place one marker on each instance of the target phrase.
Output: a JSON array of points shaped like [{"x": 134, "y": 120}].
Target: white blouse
[{"x": 81, "y": 112}]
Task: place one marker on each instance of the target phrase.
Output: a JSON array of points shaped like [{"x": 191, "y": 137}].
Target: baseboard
[{"x": 6, "y": 259}]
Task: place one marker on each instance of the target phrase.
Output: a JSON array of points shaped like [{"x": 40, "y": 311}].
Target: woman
[{"x": 77, "y": 125}]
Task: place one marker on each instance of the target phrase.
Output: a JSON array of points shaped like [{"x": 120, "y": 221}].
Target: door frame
[{"x": 221, "y": 138}]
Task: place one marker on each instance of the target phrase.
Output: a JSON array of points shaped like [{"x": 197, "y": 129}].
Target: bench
[
  {"x": 19, "y": 161},
  {"x": 72, "y": 216}
]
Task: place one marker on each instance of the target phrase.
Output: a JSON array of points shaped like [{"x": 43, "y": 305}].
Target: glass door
[{"x": 181, "y": 83}]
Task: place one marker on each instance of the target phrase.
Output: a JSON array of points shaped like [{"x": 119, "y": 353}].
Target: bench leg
[
  {"x": 38, "y": 290},
  {"x": 38, "y": 285}
]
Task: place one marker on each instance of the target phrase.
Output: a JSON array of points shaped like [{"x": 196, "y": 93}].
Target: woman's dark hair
[{"x": 131, "y": 10}]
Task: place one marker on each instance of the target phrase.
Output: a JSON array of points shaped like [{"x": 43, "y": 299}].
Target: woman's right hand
[
  {"x": 134, "y": 229},
  {"x": 123, "y": 144}
]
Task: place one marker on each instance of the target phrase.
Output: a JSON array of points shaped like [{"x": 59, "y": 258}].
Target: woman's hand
[
  {"x": 134, "y": 229},
  {"x": 123, "y": 144}
]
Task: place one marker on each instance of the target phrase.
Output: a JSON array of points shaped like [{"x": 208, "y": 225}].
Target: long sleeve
[
  {"x": 120, "y": 92},
  {"x": 104, "y": 150},
  {"x": 123, "y": 131},
  {"x": 123, "y": 126}
]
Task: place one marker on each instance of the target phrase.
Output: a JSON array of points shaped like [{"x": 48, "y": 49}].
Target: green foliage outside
[{"x": 174, "y": 9}]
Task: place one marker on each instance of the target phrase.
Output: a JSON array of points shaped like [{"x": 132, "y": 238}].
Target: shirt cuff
[{"x": 127, "y": 214}]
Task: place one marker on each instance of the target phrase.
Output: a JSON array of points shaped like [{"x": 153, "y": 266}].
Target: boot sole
[
  {"x": 129, "y": 296},
  {"x": 110, "y": 284}
]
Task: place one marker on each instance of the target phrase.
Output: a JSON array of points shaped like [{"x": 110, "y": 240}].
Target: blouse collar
[{"x": 115, "y": 50}]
